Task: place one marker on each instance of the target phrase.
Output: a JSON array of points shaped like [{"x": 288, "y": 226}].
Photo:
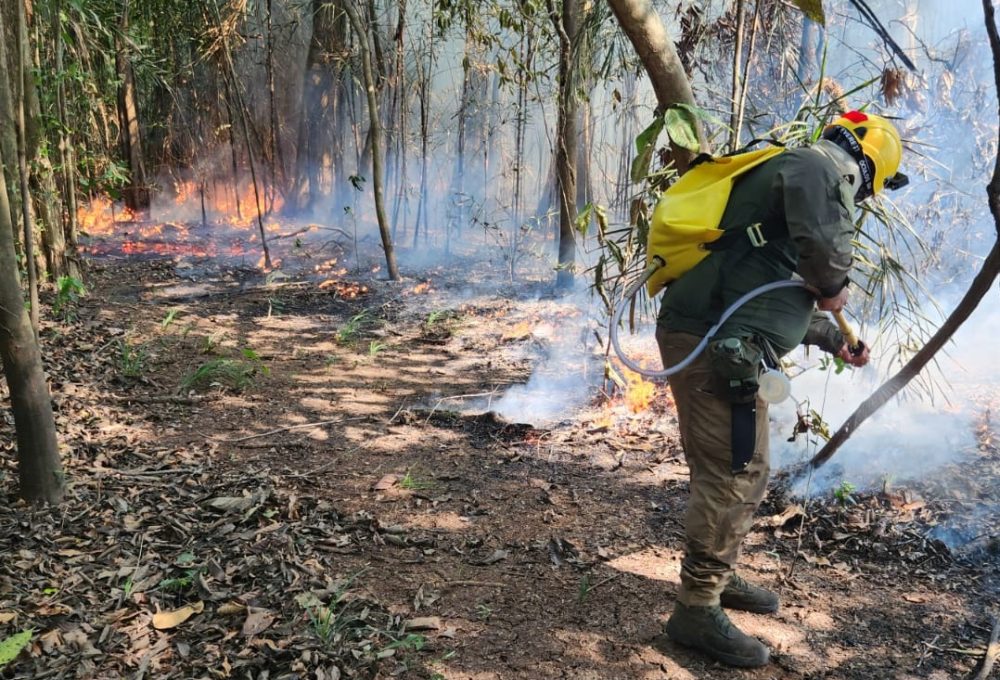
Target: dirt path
[{"x": 336, "y": 514}]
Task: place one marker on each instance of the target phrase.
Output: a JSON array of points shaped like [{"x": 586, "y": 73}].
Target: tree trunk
[
  {"x": 319, "y": 152},
  {"x": 8, "y": 122},
  {"x": 567, "y": 23},
  {"x": 376, "y": 140},
  {"x": 67, "y": 158},
  {"x": 39, "y": 467},
  {"x": 980, "y": 286},
  {"x": 23, "y": 75},
  {"x": 425, "y": 83},
  {"x": 136, "y": 193},
  {"x": 645, "y": 31},
  {"x": 734, "y": 124}
]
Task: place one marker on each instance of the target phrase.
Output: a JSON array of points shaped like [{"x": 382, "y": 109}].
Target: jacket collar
[{"x": 847, "y": 167}]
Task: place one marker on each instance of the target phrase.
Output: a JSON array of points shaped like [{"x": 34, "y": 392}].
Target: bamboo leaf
[
  {"x": 583, "y": 219},
  {"x": 12, "y": 646},
  {"x": 172, "y": 619},
  {"x": 645, "y": 145},
  {"x": 812, "y": 9},
  {"x": 682, "y": 128}
]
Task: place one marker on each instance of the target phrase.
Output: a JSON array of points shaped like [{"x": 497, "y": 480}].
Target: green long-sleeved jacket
[{"x": 807, "y": 191}]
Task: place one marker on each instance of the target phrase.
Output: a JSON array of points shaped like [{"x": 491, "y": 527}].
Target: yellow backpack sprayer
[{"x": 684, "y": 230}]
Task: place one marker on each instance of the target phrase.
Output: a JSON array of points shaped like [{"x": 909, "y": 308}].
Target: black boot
[
  {"x": 709, "y": 630},
  {"x": 745, "y": 596}
]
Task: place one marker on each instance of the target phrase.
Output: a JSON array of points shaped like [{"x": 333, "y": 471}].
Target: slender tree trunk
[
  {"x": 136, "y": 193},
  {"x": 233, "y": 156},
  {"x": 233, "y": 87},
  {"x": 8, "y": 121},
  {"x": 458, "y": 184},
  {"x": 277, "y": 157},
  {"x": 376, "y": 140},
  {"x": 67, "y": 158},
  {"x": 734, "y": 122},
  {"x": 567, "y": 23},
  {"x": 23, "y": 73},
  {"x": 402, "y": 201},
  {"x": 645, "y": 31},
  {"x": 39, "y": 466},
  {"x": 425, "y": 83},
  {"x": 741, "y": 105}
]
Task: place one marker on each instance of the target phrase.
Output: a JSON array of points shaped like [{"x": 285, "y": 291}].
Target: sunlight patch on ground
[
  {"x": 319, "y": 405},
  {"x": 445, "y": 521},
  {"x": 590, "y": 648},
  {"x": 813, "y": 619},
  {"x": 656, "y": 562}
]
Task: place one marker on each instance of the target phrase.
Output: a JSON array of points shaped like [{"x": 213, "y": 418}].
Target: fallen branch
[
  {"x": 992, "y": 651},
  {"x": 981, "y": 285}
]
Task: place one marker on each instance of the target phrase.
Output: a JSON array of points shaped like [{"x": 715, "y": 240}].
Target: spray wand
[
  {"x": 655, "y": 264},
  {"x": 854, "y": 345}
]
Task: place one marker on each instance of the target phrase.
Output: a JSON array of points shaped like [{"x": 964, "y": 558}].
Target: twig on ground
[
  {"x": 396, "y": 414},
  {"x": 166, "y": 399},
  {"x": 474, "y": 584},
  {"x": 324, "y": 467},
  {"x": 300, "y": 426},
  {"x": 490, "y": 394},
  {"x": 992, "y": 652},
  {"x": 603, "y": 581}
]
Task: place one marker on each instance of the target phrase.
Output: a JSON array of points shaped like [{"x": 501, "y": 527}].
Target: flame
[
  {"x": 421, "y": 288},
  {"x": 519, "y": 331},
  {"x": 639, "y": 392},
  {"x": 98, "y": 216},
  {"x": 349, "y": 290}
]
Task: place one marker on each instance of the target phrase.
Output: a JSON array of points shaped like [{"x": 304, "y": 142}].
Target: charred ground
[{"x": 330, "y": 510}]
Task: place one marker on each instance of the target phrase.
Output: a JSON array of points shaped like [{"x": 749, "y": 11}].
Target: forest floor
[{"x": 285, "y": 477}]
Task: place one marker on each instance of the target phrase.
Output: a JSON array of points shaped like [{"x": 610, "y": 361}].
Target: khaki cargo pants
[{"x": 721, "y": 504}]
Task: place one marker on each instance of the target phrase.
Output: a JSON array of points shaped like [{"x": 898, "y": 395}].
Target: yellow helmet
[{"x": 875, "y": 144}]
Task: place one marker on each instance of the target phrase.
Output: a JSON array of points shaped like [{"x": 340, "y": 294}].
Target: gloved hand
[{"x": 854, "y": 359}]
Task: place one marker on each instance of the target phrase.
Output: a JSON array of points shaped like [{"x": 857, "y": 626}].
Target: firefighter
[{"x": 797, "y": 213}]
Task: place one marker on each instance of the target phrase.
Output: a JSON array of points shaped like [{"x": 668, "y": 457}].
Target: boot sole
[{"x": 728, "y": 659}]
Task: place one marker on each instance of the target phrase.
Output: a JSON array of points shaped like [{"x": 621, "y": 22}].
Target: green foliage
[
  {"x": 330, "y": 622},
  {"x": 838, "y": 364},
  {"x": 10, "y": 647},
  {"x": 69, "y": 290},
  {"x": 682, "y": 126},
  {"x": 353, "y": 328},
  {"x": 210, "y": 343},
  {"x": 411, "y": 642},
  {"x": 236, "y": 374},
  {"x": 843, "y": 493},
  {"x": 645, "y": 146},
  {"x": 179, "y": 584},
  {"x": 169, "y": 319},
  {"x": 812, "y": 9},
  {"x": 440, "y": 315},
  {"x": 585, "y": 587},
  {"x": 375, "y": 348},
  {"x": 130, "y": 359},
  {"x": 409, "y": 481}
]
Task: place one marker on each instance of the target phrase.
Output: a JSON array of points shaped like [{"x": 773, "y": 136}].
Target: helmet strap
[{"x": 846, "y": 140}]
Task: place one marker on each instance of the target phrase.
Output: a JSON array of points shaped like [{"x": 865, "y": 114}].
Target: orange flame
[{"x": 639, "y": 393}]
